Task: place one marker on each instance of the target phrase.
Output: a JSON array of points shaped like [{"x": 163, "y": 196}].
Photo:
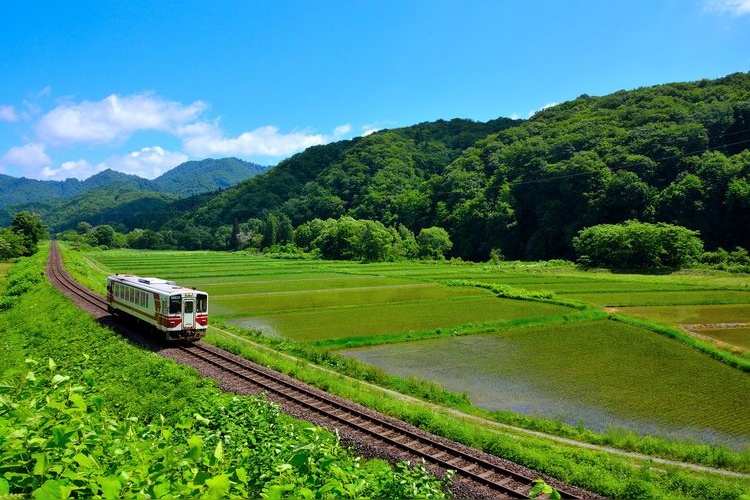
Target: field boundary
[{"x": 495, "y": 426}]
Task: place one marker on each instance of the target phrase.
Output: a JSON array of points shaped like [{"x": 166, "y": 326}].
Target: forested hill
[
  {"x": 114, "y": 198},
  {"x": 196, "y": 177},
  {"x": 380, "y": 176},
  {"x": 14, "y": 191},
  {"x": 676, "y": 153}
]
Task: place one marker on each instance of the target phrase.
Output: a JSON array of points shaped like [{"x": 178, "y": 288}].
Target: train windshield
[
  {"x": 175, "y": 304},
  {"x": 201, "y": 303}
]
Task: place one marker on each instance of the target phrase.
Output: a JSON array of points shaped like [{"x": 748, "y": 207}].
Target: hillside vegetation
[{"x": 674, "y": 153}]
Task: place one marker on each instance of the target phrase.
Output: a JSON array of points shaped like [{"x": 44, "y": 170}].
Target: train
[{"x": 172, "y": 311}]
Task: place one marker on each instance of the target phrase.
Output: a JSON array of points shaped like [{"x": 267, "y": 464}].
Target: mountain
[
  {"x": 675, "y": 153},
  {"x": 196, "y": 177},
  {"x": 114, "y": 198},
  {"x": 15, "y": 191},
  {"x": 186, "y": 179}
]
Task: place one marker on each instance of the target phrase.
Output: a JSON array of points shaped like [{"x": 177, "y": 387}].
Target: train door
[{"x": 188, "y": 314}]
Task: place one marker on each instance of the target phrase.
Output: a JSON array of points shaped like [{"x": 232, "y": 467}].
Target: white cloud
[
  {"x": 734, "y": 7},
  {"x": 148, "y": 162},
  {"x": 114, "y": 119},
  {"x": 202, "y": 139},
  {"x": 80, "y": 169},
  {"x": 28, "y": 156},
  {"x": 341, "y": 131},
  {"x": 8, "y": 114},
  {"x": 548, "y": 105},
  {"x": 371, "y": 128}
]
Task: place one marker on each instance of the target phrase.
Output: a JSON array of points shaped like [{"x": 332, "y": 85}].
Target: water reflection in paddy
[{"x": 497, "y": 374}]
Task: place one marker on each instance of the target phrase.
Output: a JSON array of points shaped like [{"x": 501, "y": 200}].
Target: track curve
[{"x": 494, "y": 477}]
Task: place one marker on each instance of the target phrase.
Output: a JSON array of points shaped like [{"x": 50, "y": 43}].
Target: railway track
[{"x": 491, "y": 474}]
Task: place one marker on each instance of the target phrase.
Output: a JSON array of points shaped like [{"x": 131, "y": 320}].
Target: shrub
[{"x": 637, "y": 245}]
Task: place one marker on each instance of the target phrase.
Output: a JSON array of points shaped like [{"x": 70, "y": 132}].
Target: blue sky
[{"x": 141, "y": 86}]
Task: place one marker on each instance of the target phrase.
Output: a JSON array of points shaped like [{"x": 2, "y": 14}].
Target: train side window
[
  {"x": 131, "y": 294},
  {"x": 201, "y": 305},
  {"x": 175, "y": 304}
]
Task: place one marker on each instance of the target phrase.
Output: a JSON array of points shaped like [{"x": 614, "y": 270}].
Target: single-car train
[{"x": 176, "y": 312}]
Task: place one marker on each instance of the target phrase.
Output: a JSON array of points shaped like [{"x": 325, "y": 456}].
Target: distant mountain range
[
  {"x": 111, "y": 196},
  {"x": 187, "y": 179}
]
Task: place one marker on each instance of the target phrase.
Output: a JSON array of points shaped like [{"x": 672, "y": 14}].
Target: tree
[
  {"x": 340, "y": 239},
  {"x": 376, "y": 241},
  {"x": 103, "y": 235},
  {"x": 11, "y": 244},
  {"x": 433, "y": 243},
  {"x": 30, "y": 228},
  {"x": 637, "y": 245}
]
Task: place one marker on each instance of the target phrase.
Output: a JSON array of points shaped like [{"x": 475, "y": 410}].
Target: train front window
[
  {"x": 175, "y": 304},
  {"x": 202, "y": 303},
  {"x": 189, "y": 307}
]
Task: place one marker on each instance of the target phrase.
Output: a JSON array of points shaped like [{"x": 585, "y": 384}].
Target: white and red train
[{"x": 177, "y": 312}]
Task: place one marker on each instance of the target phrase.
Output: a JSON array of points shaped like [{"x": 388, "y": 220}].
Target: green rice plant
[
  {"x": 674, "y": 298},
  {"x": 281, "y": 302},
  {"x": 297, "y": 283},
  {"x": 739, "y": 337},
  {"x": 370, "y": 319},
  {"x": 584, "y": 365},
  {"x": 718, "y": 354},
  {"x": 691, "y": 314}
]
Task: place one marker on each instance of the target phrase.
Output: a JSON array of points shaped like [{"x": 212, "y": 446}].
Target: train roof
[{"x": 152, "y": 284}]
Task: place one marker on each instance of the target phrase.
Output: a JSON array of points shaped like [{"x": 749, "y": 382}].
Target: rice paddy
[{"x": 600, "y": 373}]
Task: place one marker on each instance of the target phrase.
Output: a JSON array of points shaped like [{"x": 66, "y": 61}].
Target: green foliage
[
  {"x": 433, "y": 243},
  {"x": 19, "y": 279},
  {"x": 655, "y": 154},
  {"x": 58, "y": 441},
  {"x": 118, "y": 422},
  {"x": 542, "y": 488},
  {"x": 637, "y": 245},
  {"x": 11, "y": 244}
]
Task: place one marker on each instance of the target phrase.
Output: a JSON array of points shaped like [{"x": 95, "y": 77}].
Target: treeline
[
  {"x": 345, "y": 238},
  {"x": 675, "y": 154}
]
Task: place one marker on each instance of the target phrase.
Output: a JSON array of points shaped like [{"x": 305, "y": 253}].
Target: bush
[{"x": 637, "y": 245}]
